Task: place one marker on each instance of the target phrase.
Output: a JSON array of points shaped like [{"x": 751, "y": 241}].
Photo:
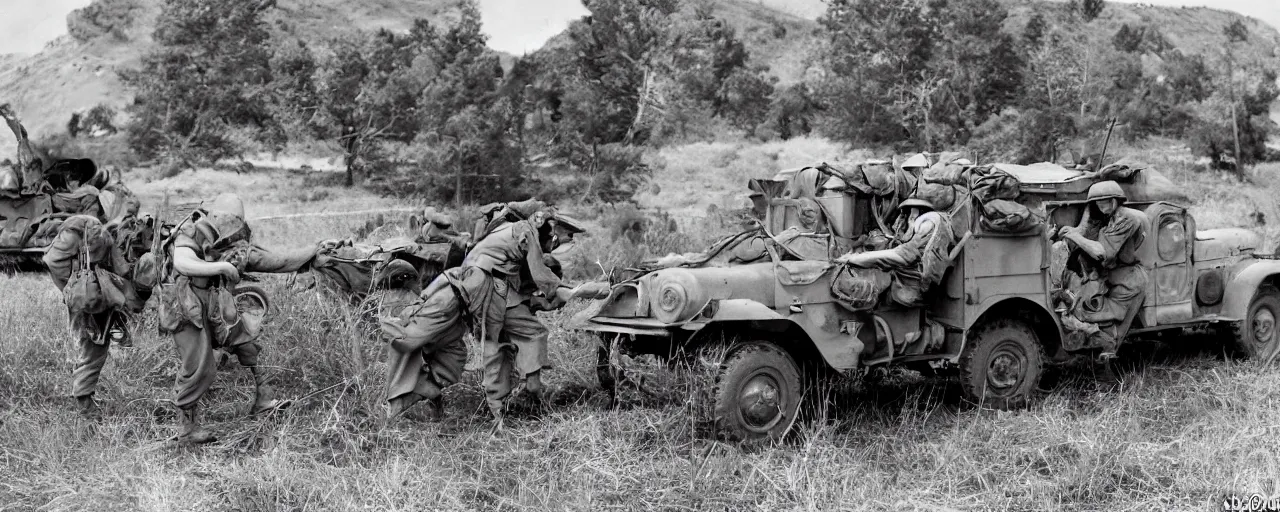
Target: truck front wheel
[
  {"x": 1257, "y": 336},
  {"x": 1002, "y": 364},
  {"x": 757, "y": 393}
]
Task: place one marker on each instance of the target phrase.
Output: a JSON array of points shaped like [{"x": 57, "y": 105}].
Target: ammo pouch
[
  {"x": 82, "y": 293},
  {"x": 179, "y": 306},
  {"x": 222, "y": 317}
]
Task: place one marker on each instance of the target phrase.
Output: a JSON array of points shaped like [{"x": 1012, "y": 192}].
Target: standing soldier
[
  {"x": 532, "y": 351},
  {"x": 484, "y": 293},
  {"x": 82, "y": 247},
  {"x": 1107, "y": 240},
  {"x": 208, "y": 252}
]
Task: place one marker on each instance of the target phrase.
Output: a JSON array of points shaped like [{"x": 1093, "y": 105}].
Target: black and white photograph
[{"x": 634, "y": 255}]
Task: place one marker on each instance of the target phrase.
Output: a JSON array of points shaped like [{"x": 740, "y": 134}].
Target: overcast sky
[{"x": 514, "y": 26}]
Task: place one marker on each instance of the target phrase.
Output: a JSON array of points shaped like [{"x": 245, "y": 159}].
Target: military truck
[
  {"x": 29, "y": 222},
  {"x": 777, "y": 316}
]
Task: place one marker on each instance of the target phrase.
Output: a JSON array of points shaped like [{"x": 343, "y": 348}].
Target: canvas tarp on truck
[{"x": 20, "y": 217}]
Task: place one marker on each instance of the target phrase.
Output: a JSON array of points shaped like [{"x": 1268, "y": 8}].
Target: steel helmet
[
  {"x": 917, "y": 160},
  {"x": 916, "y": 202},
  {"x": 1106, "y": 190}
]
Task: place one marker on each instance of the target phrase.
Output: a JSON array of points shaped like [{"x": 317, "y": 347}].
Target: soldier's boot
[
  {"x": 534, "y": 394},
  {"x": 399, "y": 405},
  {"x": 264, "y": 396},
  {"x": 88, "y": 407},
  {"x": 1103, "y": 338},
  {"x": 192, "y": 431},
  {"x": 495, "y": 407},
  {"x": 437, "y": 408}
]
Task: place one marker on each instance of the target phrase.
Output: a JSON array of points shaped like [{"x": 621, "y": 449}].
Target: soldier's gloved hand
[
  {"x": 321, "y": 259},
  {"x": 854, "y": 260},
  {"x": 230, "y": 273},
  {"x": 329, "y": 245}
]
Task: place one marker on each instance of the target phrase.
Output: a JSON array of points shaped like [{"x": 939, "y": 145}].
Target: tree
[
  {"x": 370, "y": 93},
  {"x": 618, "y": 48},
  {"x": 464, "y": 103},
  {"x": 1127, "y": 39},
  {"x": 924, "y": 73},
  {"x": 1088, "y": 10},
  {"x": 1033, "y": 33},
  {"x": 295, "y": 100},
  {"x": 209, "y": 74},
  {"x": 875, "y": 53}
]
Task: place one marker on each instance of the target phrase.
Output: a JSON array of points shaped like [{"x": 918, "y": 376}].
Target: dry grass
[{"x": 1184, "y": 428}]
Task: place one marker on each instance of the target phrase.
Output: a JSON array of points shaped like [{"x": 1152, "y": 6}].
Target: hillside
[{"x": 79, "y": 71}]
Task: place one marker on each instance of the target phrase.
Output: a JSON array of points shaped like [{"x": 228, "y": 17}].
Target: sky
[{"x": 513, "y": 26}]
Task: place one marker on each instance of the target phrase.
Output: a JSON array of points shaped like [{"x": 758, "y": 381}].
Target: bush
[
  {"x": 104, "y": 17},
  {"x": 112, "y": 150}
]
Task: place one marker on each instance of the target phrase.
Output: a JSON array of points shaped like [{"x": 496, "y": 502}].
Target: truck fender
[
  {"x": 1043, "y": 320},
  {"x": 724, "y": 310},
  {"x": 1239, "y": 292}
]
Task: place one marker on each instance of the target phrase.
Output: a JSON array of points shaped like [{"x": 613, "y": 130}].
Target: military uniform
[
  {"x": 189, "y": 305},
  {"x": 1124, "y": 279},
  {"x": 484, "y": 292},
  {"x": 77, "y": 234},
  {"x": 919, "y": 261}
]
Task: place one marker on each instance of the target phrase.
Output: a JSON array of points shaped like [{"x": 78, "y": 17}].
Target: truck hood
[
  {"x": 1215, "y": 244},
  {"x": 674, "y": 295}
]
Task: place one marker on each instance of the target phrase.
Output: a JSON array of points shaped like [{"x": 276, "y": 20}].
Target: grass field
[{"x": 1185, "y": 427}]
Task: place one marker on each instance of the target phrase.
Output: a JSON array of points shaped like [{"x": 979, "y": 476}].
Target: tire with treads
[
  {"x": 757, "y": 393},
  {"x": 1002, "y": 364},
  {"x": 1257, "y": 336},
  {"x": 251, "y": 299}
]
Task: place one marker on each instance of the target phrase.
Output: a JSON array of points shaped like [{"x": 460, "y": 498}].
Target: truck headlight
[{"x": 676, "y": 296}]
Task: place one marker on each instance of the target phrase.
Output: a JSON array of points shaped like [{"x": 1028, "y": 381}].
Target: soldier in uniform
[
  {"x": 209, "y": 251},
  {"x": 1106, "y": 241},
  {"x": 483, "y": 292},
  {"x": 95, "y": 332},
  {"x": 920, "y": 260}
]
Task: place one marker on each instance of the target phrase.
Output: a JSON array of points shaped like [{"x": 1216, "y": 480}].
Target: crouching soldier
[
  {"x": 1106, "y": 243},
  {"x": 207, "y": 252},
  {"x": 86, "y": 266},
  {"x": 427, "y": 353}
]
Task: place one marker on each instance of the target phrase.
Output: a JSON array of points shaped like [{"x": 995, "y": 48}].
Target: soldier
[
  {"x": 482, "y": 292},
  {"x": 920, "y": 260},
  {"x": 208, "y": 252},
  {"x": 531, "y": 355},
  {"x": 1106, "y": 241},
  {"x": 83, "y": 239}
]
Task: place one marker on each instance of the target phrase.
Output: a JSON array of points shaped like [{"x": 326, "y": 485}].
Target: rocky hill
[{"x": 79, "y": 71}]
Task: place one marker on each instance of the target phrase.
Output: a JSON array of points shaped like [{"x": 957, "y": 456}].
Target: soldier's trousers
[
  {"x": 429, "y": 353},
  {"x": 197, "y": 366},
  {"x": 92, "y": 355},
  {"x": 1115, "y": 310}
]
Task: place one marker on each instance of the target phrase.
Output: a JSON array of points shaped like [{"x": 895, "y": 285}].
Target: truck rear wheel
[
  {"x": 1257, "y": 336},
  {"x": 757, "y": 393},
  {"x": 1002, "y": 364}
]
